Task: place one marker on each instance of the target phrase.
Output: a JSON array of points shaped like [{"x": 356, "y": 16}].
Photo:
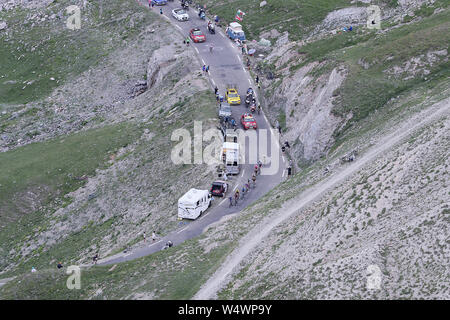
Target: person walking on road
[
  {"x": 231, "y": 200},
  {"x": 144, "y": 235},
  {"x": 216, "y": 90},
  {"x": 207, "y": 69},
  {"x": 153, "y": 236},
  {"x": 160, "y": 11},
  {"x": 257, "y": 79},
  {"x": 211, "y": 48},
  {"x": 204, "y": 68},
  {"x": 254, "y": 180}
]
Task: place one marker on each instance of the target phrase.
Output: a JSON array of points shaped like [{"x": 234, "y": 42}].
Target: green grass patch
[
  {"x": 33, "y": 55},
  {"x": 50, "y": 169}
]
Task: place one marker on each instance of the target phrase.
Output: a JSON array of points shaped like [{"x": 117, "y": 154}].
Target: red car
[
  {"x": 248, "y": 122},
  {"x": 196, "y": 35},
  {"x": 219, "y": 188}
]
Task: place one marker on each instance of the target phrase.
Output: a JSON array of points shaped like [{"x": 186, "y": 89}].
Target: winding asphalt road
[{"x": 226, "y": 67}]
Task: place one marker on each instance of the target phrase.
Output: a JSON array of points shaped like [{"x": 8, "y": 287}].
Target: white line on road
[
  {"x": 212, "y": 80},
  {"x": 222, "y": 201},
  {"x": 178, "y": 27},
  {"x": 239, "y": 58},
  {"x": 182, "y": 229},
  {"x": 283, "y": 173},
  {"x": 243, "y": 69},
  {"x": 196, "y": 50},
  {"x": 202, "y": 59},
  {"x": 243, "y": 170},
  {"x": 249, "y": 81}
]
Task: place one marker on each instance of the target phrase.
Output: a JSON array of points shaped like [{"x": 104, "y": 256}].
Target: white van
[
  {"x": 230, "y": 157},
  {"x": 193, "y": 203}
]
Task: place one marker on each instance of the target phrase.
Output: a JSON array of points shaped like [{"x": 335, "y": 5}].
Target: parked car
[
  {"x": 234, "y": 31},
  {"x": 224, "y": 110},
  {"x": 219, "y": 188},
  {"x": 197, "y": 35},
  {"x": 248, "y": 121},
  {"x": 180, "y": 14}
]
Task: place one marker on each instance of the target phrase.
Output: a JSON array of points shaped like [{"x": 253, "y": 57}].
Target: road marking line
[
  {"x": 222, "y": 201},
  {"x": 212, "y": 80},
  {"x": 243, "y": 170},
  {"x": 249, "y": 82},
  {"x": 239, "y": 58},
  {"x": 182, "y": 229},
  {"x": 283, "y": 173},
  {"x": 243, "y": 69},
  {"x": 196, "y": 50},
  {"x": 202, "y": 59},
  {"x": 178, "y": 27},
  {"x": 284, "y": 160}
]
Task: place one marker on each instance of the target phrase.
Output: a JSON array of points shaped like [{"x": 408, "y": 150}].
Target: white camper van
[
  {"x": 230, "y": 157},
  {"x": 193, "y": 203}
]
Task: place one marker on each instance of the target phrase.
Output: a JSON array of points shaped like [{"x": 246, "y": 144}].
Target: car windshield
[
  {"x": 225, "y": 108},
  {"x": 249, "y": 119},
  {"x": 233, "y": 95},
  {"x": 181, "y": 11},
  {"x": 216, "y": 187},
  {"x": 197, "y": 33}
]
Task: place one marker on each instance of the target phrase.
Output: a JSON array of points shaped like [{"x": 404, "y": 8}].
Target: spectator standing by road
[
  {"x": 95, "y": 258},
  {"x": 153, "y": 236},
  {"x": 144, "y": 236},
  {"x": 207, "y": 69},
  {"x": 160, "y": 11},
  {"x": 204, "y": 68}
]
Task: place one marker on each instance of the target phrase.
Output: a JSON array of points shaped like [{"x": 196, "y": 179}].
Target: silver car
[
  {"x": 180, "y": 14},
  {"x": 224, "y": 110}
]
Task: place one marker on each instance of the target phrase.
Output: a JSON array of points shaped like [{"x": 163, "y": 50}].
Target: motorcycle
[
  {"x": 253, "y": 108},
  {"x": 247, "y": 102},
  {"x": 202, "y": 15},
  {"x": 211, "y": 28}
]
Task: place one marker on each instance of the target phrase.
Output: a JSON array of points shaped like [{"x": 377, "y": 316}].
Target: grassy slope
[
  {"x": 61, "y": 53},
  {"x": 179, "y": 272},
  {"x": 295, "y": 16},
  {"x": 366, "y": 90},
  {"x": 147, "y": 274}
]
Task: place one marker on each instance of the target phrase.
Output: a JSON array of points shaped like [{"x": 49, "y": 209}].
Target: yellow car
[{"x": 232, "y": 96}]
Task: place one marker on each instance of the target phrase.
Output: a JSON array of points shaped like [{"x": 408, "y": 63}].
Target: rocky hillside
[
  {"x": 321, "y": 234},
  {"x": 86, "y": 118}
]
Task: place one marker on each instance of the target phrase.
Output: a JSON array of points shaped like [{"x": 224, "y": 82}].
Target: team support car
[
  {"x": 219, "y": 188},
  {"x": 159, "y": 2},
  {"x": 197, "y": 35},
  {"x": 224, "y": 110},
  {"x": 248, "y": 121},
  {"x": 180, "y": 14},
  {"x": 232, "y": 96}
]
